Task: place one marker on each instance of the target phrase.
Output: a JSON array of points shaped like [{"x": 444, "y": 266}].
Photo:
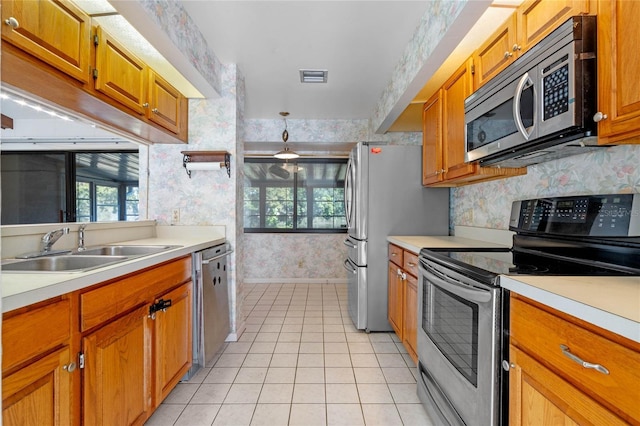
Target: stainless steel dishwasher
[{"x": 210, "y": 304}]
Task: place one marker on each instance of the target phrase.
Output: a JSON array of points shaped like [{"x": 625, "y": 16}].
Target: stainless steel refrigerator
[{"x": 384, "y": 196}]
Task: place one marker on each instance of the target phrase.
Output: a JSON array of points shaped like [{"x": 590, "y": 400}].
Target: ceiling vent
[{"x": 313, "y": 76}]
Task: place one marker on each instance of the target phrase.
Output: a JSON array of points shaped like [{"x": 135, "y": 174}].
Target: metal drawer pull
[{"x": 567, "y": 352}]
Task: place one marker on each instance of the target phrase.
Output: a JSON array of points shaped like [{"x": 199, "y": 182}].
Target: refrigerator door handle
[
  {"x": 348, "y": 196},
  {"x": 349, "y": 266},
  {"x": 349, "y": 243}
]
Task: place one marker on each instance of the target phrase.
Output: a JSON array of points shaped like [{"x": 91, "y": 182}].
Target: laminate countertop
[{"x": 414, "y": 243}]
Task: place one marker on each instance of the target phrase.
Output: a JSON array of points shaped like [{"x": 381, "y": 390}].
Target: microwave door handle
[{"x": 516, "y": 105}]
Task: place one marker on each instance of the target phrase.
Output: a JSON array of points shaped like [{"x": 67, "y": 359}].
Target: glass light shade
[{"x": 286, "y": 154}]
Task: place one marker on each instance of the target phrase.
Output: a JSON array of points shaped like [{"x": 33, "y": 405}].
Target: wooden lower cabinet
[
  {"x": 410, "y": 319},
  {"x": 549, "y": 386},
  {"x": 395, "y": 299},
  {"x": 117, "y": 371},
  {"x": 402, "y": 304},
  {"x": 172, "y": 341},
  {"x": 40, "y": 393}
]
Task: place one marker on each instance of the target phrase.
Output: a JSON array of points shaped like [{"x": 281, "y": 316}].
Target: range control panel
[{"x": 611, "y": 215}]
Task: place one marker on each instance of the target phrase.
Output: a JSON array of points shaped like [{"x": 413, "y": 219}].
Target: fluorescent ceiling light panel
[{"x": 313, "y": 76}]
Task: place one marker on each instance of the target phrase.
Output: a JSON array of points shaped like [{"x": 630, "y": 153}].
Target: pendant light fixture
[{"x": 286, "y": 153}]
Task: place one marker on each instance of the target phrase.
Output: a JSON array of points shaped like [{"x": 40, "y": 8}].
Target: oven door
[{"x": 458, "y": 347}]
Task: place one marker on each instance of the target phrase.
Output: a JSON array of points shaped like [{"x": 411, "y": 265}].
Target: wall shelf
[{"x": 206, "y": 159}]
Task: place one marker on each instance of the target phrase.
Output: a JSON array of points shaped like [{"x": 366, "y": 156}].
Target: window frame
[{"x": 295, "y": 188}]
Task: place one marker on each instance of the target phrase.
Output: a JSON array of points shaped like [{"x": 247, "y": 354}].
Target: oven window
[{"x": 451, "y": 323}]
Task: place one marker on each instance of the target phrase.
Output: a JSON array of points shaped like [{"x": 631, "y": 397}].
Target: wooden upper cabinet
[
  {"x": 119, "y": 74},
  {"x": 55, "y": 31},
  {"x": 432, "y": 140},
  {"x": 496, "y": 53},
  {"x": 529, "y": 24},
  {"x": 537, "y": 18},
  {"x": 618, "y": 70},
  {"x": 165, "y": 103}
]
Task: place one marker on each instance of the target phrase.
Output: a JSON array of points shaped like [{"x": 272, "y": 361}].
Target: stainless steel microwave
[{"x": 542, "y": 106}]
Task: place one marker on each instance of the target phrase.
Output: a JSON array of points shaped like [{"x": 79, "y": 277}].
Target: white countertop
[
  {"x": 24, "y": 288},
  {"x": 612, "y": 303},
  {"x": 415, "y": 243}
]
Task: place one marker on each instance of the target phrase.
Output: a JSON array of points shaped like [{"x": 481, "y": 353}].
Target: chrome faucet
[
  {"x": 49, "y": 239},
  {"x": 81, "y": 229}
]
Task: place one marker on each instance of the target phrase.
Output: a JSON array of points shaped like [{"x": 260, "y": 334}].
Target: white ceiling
[{"x": 358, "y": 42}]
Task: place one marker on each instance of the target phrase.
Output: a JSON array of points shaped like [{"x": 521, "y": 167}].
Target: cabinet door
[
  {"x": 166, "y": 104},
  {"x": 454, "y": 92},
  {"x": 120, "y": 74},
  {"x": 410, "y": 317},
  {"x": 432, "y": 140},
  {"x": 496, "y": 53},
  {"x": 39, "y": 394},
  {"x": 55, "y": 31},
  {"x": 537, "y": 18},
  {"x": 618, "y": 70},
  {"x": 117, "y": 372},
  {"x": 394, "y": 308},
  {"x": 172, "y": 341},
  {"x": 539, "y": 397}
]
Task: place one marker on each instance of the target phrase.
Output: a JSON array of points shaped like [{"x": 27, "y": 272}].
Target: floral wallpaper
[{"x": 609, "y": 170}]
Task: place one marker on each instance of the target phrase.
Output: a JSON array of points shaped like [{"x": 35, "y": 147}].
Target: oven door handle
[{"x": 458, "y": 287}]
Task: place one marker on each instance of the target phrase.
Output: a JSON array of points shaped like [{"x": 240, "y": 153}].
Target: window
[{"x": 304, "y": 195}]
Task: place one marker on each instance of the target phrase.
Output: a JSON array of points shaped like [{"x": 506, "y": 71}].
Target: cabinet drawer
[
  {"x": 117, "y": 297},
  {"x": 34, "y": 331},
  {"x": 395, "y": 254},
  {"x": 540, "y": 333},
  {"x": 410, "y": 263}
]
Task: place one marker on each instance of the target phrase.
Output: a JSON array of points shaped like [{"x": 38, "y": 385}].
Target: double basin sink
[{"x": 85, "y": 260}]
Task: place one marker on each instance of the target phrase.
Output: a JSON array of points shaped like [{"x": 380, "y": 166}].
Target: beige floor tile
[
  {"x": 380, "y": 337},
  {"x": 390, "y": 360},
  {"x": 274, "y": 321},
  {"x": 309, "y": 375},
  {"x": 199, "y": 377},
  {"x": 342, "y": 393},
  {"x": 234, "y": 414},
  {"x": 312, "y": 337},
  {"x": 182, "y": 393},
  {"x": 398, "y": 375},
  {"x": 311, "y": 348},
  {"x": 271, "y": 415},
  {"x": 333, "y": 320},
  {"x": 310, "y": 360},
  {"x": 374, "y": 393},
  {"x": 264, "y": 336},
  {"x": 294, "y": 320},
  {"x": 313, "y": 321},
  {"x": 337, "y": 360},
  {"x": 257, "y": 360},
  {"x": 313, "y": 314},
  {"x": 369, "y": 375},
  {"x": 381, "y": 415},
  {"x": 198, "y": 415},
  {"x": 291, "y": 328},
  {"x": 284, "y": 360},
  {"x": 333, "y": 328},
  {"x": 339, "y": 375},
  {"x": 312, "y": 328},
  {"x": 252, "y": 328},
  {"x": 289, "y": 337},
  {"x": 262, "y": 348},
  {"x": 230, "y": 360},
  {"x": 414, "y": 415},
  {"x": 308, "y": 393},
  {"x": 276, "y": 393},
  {"x": 270, "y": 328},
  {"x": 247, "y": 337},
  {"x": 287, "y": 348},
  {"x": 357, "y": 337},
  {"x": 344, "y": 415},
  {"x": 335, "y": 337},
  {"x": 336, "y": 348},
  {"x": 308, "y": 415},
  {"x": 211, "y": 393},
  {"x": 360, "y": 348},
  {"x": 251, "y": 375},
  {"x": 401, "y": 348},
  {"x": 404, "y": 393},
  {"x": 243, "y": 393},
  {"x": 166, "y": 415},
  {"x": 280, "y": 375},
  {"x": 350, "y": 328},
  {"x": 385, "y": 347},
  {"x": 409, "y": 361},
  {"x": 364, "y": 360}
]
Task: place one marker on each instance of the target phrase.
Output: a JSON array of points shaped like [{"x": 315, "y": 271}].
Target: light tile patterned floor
[{"x": 300, "y": 361}]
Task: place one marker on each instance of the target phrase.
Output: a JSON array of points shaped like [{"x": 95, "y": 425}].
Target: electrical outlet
[{"x": 175, "y": 216}]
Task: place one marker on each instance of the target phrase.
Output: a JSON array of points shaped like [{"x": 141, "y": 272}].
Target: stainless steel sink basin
[
  {"x": 66, "y": 263},
  {"x": 123, "y": 250}
]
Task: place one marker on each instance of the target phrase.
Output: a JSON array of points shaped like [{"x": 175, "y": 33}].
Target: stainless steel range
[{"x": 463, "y": 312}]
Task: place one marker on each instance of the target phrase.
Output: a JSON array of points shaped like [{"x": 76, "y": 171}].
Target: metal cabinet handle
[
  {"x": 155, "y": 110},
  {"x": 516, "y": 47},
  {"x": 567, "y": 352},
  {"x": 411, "y": 264},
  {"x": 12, "y": 22},
  {"x": 145, "y": 105},
  {"x": 507, "y": 54},
  {"x": 598, "y": 116},
  {"x": 69, "y": 368}
]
